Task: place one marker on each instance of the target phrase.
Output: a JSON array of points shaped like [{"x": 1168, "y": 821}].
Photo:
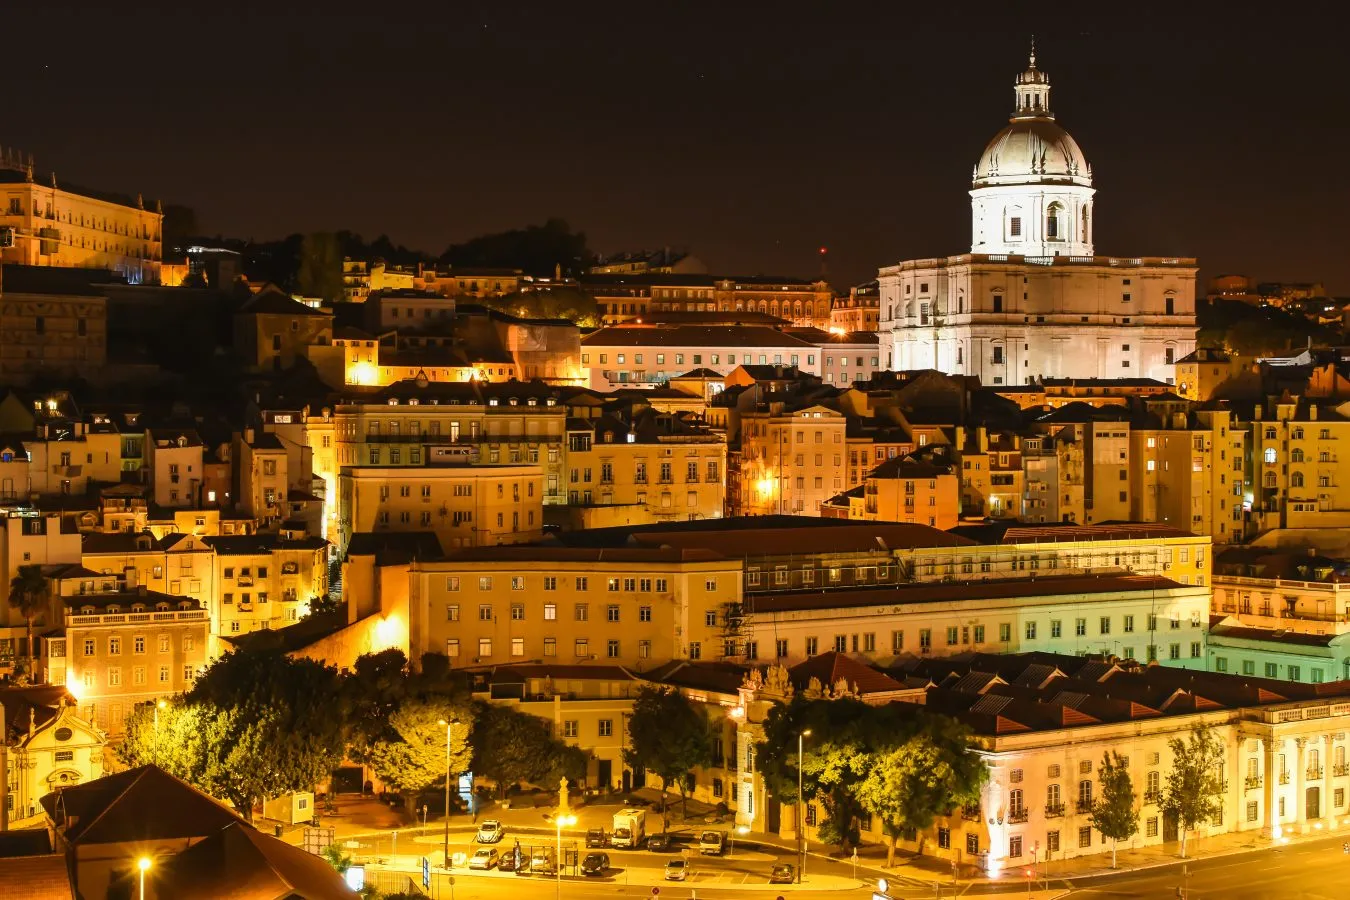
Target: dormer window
[
  {"x": 86, "y": 610},
  {"x": 162, "y": 607},
  {"x": 113, "y": 610},
  {"x": 182, "y": 441},
  {"x": 138, "y": 607}
]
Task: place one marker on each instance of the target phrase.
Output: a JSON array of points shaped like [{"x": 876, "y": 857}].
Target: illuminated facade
[
  {"x": 790, "y": 461},
  {"x": 631, "y": 607},
  {"x": 1031, "y": 299},
  {"x": 74, "y": 228}
]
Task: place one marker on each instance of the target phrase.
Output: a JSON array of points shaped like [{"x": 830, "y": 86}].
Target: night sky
[{"x": 751, "y": 133}]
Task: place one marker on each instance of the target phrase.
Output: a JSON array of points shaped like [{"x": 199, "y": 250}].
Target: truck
[
  {"x": 630, "y": 828},
  {"x": 712, "y": 843}
]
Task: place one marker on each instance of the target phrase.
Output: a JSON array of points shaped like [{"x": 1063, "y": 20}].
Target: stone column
[
  {"x": 1270, "y": 782},
  {"x": 1299, "y": 783}
]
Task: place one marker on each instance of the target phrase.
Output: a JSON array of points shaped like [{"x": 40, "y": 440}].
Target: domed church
[{"x": 1032, "y": 299}]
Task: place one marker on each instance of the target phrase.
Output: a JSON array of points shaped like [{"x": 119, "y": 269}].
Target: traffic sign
[
  {"x": 655, "y": 891},
  {"x": 426, "y": 873}
]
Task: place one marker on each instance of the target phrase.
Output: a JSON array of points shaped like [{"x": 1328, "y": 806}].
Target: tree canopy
[
  {"x": 29, "y": 593},
  {"x": 426, "y": 741},
  {"x": 538, "y": 250},
  {"x": 1114, "y": 813},
  {"x": 1193, "y": 792},
  {"x": 668, "y": 737},
  {"x": 511, "y": 747}
]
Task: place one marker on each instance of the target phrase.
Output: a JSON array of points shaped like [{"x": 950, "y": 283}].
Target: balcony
[
  {"x": 971, "y": 813},
  {"x": 1252, "y": 782},
  {"x": 1083, "y": 806},
  {"x": 1151, "y": 797},
  {"x": 1314, "y": 773},
  {"x": 1340, "y": 769},
  {"x": 1017, "y": 816},
  {"x": 1284, "y": 778}
]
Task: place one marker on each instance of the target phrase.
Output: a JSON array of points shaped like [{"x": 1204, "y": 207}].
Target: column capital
[{"x": 1301, "y": 742}]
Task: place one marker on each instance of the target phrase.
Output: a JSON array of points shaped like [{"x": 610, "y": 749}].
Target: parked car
[
  {"x": 541, "y": 861},
  {"x": 507, "y": 861},
  {"x": 659, "y": 843},
  {"x": 484, "y": 858},
  {"x": 595, "y": 864},
  {"x": 676, "y": 870},
  {"x": 596, "y": 837},
  {"x": 490, "y": 832},
  {"x": 783, "y": 874}
]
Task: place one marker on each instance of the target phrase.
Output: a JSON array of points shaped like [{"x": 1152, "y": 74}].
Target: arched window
[
  {"x": 1053, "y": 219},
  {"x": 1296, "y": 455},
  {"x": 1296, "y": 480},
  {"x": 1084, "y": 233},
  {"x": 1270, "y": 456},
  {"x": 1270, "y": 479},
  {"x": 1297, "y": 434}
]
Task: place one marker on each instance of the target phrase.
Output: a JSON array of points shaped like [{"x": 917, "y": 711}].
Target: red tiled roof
[{"x": 829, "y": 668}]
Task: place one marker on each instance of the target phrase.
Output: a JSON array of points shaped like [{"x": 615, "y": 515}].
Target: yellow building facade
[
  {"x": 74, "y": 228},
  {"x": 629, "y": 607},
  {"x": 465, "y": 506},
  {"x": 661, "y": 477},
  {"x": 1297, "y": 478},
  {"x": 790, "y": 462}
]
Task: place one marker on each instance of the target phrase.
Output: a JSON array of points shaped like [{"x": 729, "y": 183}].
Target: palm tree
[{"x": 28, "y": 593}]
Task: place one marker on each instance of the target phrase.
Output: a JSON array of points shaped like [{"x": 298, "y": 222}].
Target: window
[
  {"x": 696, "y": 650},
  {"x": 163, "y": 674},
  {"x": 114, "y": 646},
  {"x": 1005, "y": 632},
  {"x": 1085, "y": 837},
  {"x": 780, "y": 648},
  {"x": 550, "y": 646},
  {"x": 1295, "y": 672},
  {"x": 1085, "y": 794},
  {"x": 972, "y": 844},
  {"x": 114, "y": 676},
  {"x": 811, "y": 647},
  {"x": 517, "y": 646},
  {"x": 612, "y": 649},
  {"x": 485, "y": 612},
  {"x": 944, "y": 838},
  {"x": 1128, "y": 626},
  {"x": 1031, "y": 631},
  {"x": 517, "y": 612},
  {"x": 485, "y": 582},
  {"x": 485, "y": 647},
  {"x": 582, "y": 612},
  {"x": 1015, "y": 226},
  {"x": 1151, "y": 826},
  {"x": 1080, "y": 627},
  {"x": 583, "y": 584},
  {"x": 897, "y": 642},
  {"x": 1056, "y": 628},
  {"x": 571, "y": 728},
  {"x": 1052, "y": 841}
]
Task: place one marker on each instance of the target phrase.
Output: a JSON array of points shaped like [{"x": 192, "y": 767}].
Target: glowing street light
[
  {"x": 562, "y": 821},
  {"x": 143, "y": 864}
]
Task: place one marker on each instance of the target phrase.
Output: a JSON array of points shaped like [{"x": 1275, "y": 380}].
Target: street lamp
[
  {"x": 143, "y": 864},
  {"x": 561, "y": 821},
  {"x": 160, "y": 704},
  {"x": 742, "y": 830},
  {"x": 801, "y": 836},
  {"x": 445, "y": 849}
]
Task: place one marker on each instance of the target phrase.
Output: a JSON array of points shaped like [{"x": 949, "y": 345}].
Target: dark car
[
  {"x": 596, "y": 837},
  {"x": 507, "y": 861},
  {"x": 784, "y": 874},
  {"x": 659, "y": 843},
  {"x": 595, "y": 864}
]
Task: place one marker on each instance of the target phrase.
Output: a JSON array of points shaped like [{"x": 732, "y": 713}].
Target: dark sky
[{"x": 752, "y": 133}]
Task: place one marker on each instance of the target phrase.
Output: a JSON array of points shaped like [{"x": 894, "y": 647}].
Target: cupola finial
[{"x": 1033, "y": 51}]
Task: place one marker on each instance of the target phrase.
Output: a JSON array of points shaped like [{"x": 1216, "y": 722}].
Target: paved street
[{"x": 1310, "y": 871}]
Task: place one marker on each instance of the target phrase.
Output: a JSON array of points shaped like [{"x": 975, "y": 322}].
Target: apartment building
[
  {"x": 790, "y": 460},
  {"x": 174, "y": 459},
  {"x": 415, "y": 423},
  {"x": 465, "y": 505},
  {"x": 653, "y": 466},
  {"x": 555, "y": 605},
  {"x": 1296, "y": 474},
  {"x": 911, "y": 489},
  {"x": 1202, "y": 370},
  {"x": 263, "y": 581},
  {"x": 1190, "y": 470},
  {"x": 123, "y": 648},
  {"x": 264, "y": 477},
  {"x": 646, "y": 356},
  {"x": 272, "y": 331}
]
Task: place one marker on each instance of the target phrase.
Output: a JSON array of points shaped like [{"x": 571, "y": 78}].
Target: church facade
[{"x": 1032, "y": 299}]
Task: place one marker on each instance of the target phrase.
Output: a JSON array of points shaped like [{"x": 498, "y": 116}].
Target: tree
[
  {"x": 29, "y": 593},
  {"x": 1194, "y": 787},
  {"x": 933, "y": 768},
  {"x": 668, "y": 737},
  {"x": 511, "y": 747},
  {"x": 538, "y": 250},
  {"x": 320, "y": 271},
  {"x": 415, "y": 755},
  {"x": 1114, "y": 813},
  {"x": 276, "y": 726}
]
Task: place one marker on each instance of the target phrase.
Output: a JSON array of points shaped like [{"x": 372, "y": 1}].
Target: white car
[
  {"x": 676, "y": 870},
  {"x": 484, "y": 858},
  {"x": 490, "y": 832}
]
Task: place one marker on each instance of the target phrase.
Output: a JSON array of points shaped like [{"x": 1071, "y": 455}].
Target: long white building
[{"x": 1032, "y": 299}]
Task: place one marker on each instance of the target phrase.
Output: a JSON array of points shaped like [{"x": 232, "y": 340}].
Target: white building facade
[{"x": 1032, "y": 299}]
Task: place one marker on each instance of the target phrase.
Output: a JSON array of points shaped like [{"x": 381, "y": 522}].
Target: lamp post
[
  {"x": 741, "y": 830},
  {"x": 801, "y": 817},
  {"x": 445, "y": 849},
  {"x": 143, "y": 865},
  {"x": 159, "y": 704},
  {"x": 562, "y": 820}
]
